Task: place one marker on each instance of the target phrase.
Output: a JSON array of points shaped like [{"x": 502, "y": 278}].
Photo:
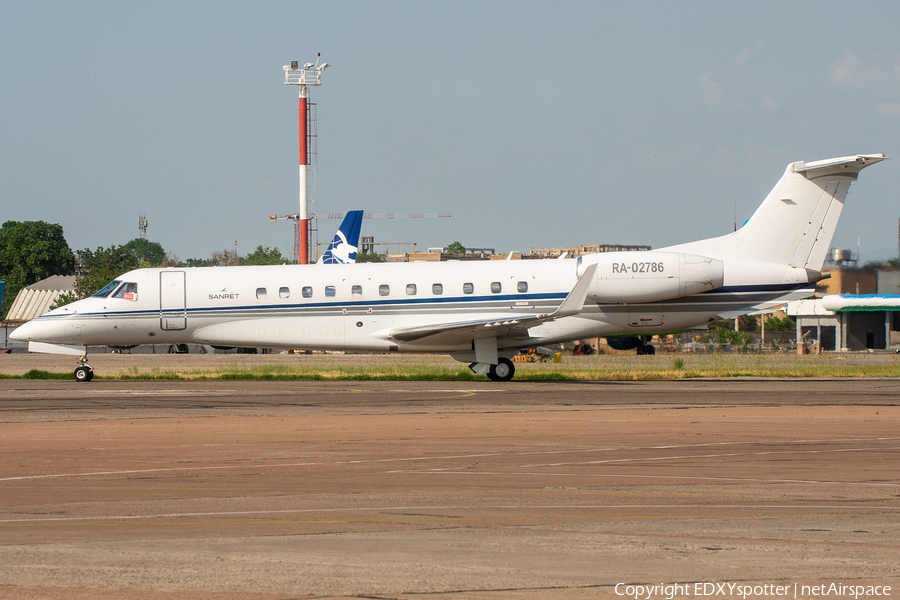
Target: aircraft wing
[
  {"x": 771, "y": 305},
  {"x": 515, "y": 327}
]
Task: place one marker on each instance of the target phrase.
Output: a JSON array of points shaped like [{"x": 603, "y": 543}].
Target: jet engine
[{"x": 632, "y": 277}]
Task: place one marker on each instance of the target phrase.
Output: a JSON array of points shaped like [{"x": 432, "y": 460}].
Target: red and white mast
[{"x": 310, "y": 74}]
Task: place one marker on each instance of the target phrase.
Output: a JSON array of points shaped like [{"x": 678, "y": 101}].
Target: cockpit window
[
  {"x": 127, "y": 291},
  {"x": 106, "y": 289}
]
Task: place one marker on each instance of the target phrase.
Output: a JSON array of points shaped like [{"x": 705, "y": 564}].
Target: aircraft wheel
[
  {"x": 84, "y": 374},
  {"x": 503, "y": 371}
]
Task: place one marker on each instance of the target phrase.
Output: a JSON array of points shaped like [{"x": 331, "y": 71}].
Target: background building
[
  {"x": 34, "y": 300},
  {"x": 854, "y": 323},
  {"x": 848, "y": 280}
]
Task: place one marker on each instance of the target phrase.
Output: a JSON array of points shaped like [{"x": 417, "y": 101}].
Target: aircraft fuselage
[{"x": 358, "y": 307}]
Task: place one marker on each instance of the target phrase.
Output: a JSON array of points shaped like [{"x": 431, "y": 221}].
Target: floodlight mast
[{"x": 303, "y": 77}]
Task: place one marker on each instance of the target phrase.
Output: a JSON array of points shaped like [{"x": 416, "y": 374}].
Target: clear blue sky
[{"x": 532, "y": 123}]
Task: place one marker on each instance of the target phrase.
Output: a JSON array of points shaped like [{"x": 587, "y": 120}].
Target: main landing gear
[
  {"x": 502, "y": 371},
  {"x": 84, "y": 371},
  {"x": 645, "y": 348},
  {"x": 487, "y": 362}
]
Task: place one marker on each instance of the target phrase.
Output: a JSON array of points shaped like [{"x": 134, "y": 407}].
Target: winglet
[{"x": 574, "y": 302}]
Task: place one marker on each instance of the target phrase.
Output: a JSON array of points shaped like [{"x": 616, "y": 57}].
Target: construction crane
[
  {"x": 383, "y": 215},
  {"x": 298, "y": 223}
]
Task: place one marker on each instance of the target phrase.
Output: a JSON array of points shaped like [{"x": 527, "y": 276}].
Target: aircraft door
[{"x": 172, "y": 304}]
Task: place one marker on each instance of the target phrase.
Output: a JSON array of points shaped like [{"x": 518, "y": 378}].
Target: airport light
[{"x": 309, "y": 75}]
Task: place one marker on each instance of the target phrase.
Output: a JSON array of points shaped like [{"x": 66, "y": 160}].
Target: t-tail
[
  {"x": 796, "y": 222},
  {"x": 343, "y": 247}
]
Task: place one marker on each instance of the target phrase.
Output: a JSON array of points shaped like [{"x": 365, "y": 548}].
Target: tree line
[{"x": 34, "y": 250}]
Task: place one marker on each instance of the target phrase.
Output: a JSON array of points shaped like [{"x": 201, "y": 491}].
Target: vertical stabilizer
[
  {"x": 343, "y": 247},
  {"x": 796, "y": 222}
]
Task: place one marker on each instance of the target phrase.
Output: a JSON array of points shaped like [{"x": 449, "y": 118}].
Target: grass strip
[
  {"x": 594, "y": 368},
  {"x": 36, "y": 374}
]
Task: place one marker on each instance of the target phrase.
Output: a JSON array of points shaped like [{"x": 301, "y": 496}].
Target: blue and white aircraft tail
[{"x": 342, "y": 249}]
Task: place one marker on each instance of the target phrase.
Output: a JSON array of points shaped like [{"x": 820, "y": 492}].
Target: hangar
[
  {"x": 849, "y": 323},
  {"x": 34, "y": 300}
]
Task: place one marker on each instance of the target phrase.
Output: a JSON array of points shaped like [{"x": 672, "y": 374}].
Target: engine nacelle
[{"x": 633, "y": 277}]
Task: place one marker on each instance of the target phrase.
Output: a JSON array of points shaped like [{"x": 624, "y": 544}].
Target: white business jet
[{"x": 482, "y": 313}]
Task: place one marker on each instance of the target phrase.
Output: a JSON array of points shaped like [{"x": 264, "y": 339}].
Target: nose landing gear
[{"x": 84, "y": 371}]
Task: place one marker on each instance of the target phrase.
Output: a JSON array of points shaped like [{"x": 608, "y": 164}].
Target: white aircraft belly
[{"x": 322, "y": 332}]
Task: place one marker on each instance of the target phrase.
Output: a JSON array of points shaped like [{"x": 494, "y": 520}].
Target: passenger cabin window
[
  {"x": 306, "y": 291},
  {"x": 468, "y": 288},
  {"x": 495, "y": 287},
  {"x": 356, "y": 290},
  {"x": 106, "y": 289},
  {"x": 384, "y": 289},
  {"x": 329, "y": 291},
  {"x": 522, "y": 287},
  {"x": 284, "y": 292},
  {"x": 437, "y": 289},
  {"x": 127, "y": 291},
  {"x": 410, "y": 289},
  {"x": 261, "y": 293}
]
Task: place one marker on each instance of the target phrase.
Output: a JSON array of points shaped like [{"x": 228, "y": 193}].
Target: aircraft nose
[
  {"x": 39, "y": 330},
  {"x": 20, "y": 333}
]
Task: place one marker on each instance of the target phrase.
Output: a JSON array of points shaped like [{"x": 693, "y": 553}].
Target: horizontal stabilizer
[{"x": 835, "y": 166}]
